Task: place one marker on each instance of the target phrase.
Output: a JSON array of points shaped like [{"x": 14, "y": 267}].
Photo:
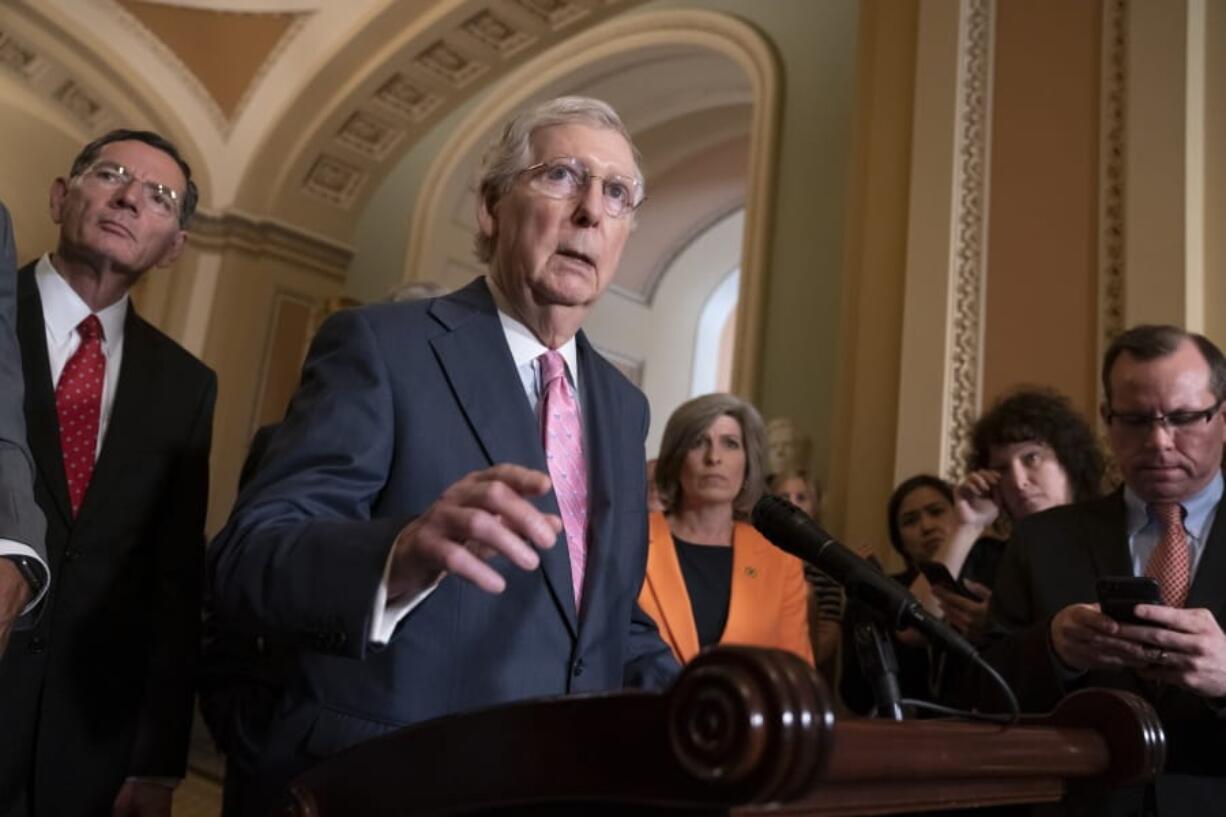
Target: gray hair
[
  {"x": 512, "y": 151},
  {"x": 683, "y": 430}
]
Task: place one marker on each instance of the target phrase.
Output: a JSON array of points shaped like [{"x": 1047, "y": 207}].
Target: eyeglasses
[
  {"x": 568, "y": 178},
  {"x": 162, "y": 200},
  {"x": 1175, "y": 421}
]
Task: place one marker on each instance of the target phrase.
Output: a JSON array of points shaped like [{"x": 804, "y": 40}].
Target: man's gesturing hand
[
  {"x": 483, "y": 515},
  {"x": 14, "y": 596}
]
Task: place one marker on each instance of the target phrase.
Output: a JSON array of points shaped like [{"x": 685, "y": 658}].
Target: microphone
[{"x": 792, "y": 530}]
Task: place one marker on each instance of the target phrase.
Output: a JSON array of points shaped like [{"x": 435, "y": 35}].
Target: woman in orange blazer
[{"x": 711, "y": 578}]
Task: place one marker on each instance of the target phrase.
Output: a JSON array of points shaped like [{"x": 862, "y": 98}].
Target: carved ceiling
[
  {"x": 279, "y": 102},
  {"x": 224, "y": 50},
  {"x": 295, "y": 110}
]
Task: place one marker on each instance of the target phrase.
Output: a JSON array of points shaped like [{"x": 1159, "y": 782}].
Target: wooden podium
[{"x": 740, "y": 729}]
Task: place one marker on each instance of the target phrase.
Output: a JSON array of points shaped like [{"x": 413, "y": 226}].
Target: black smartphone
[
  {"x": 938, "y": 575},
  {"x": 1118, "y": 595}
]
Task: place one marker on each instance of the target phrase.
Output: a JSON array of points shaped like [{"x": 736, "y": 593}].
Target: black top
[
  {"x": 918, "y": 675},
  {"x": 708, "y": 579}
]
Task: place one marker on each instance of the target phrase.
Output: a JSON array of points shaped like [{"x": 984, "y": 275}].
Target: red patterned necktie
[
  {"x": 563, "y": 438},
  {"x": 78, "y": 404},
  {"x": 1170, "y": 563}
]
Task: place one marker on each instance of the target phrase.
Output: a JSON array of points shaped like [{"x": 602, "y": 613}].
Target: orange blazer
[{"x": 770, "y": 599}]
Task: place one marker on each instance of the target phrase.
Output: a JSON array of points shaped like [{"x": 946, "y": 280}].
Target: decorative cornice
[
  {"x": 970, "y": 227},
  {"x": 273, "y": 238},
  {"x": 50, "y": 79},
  {"x": 454, "y": 59},
  {"x": 1111, "y": 200}
]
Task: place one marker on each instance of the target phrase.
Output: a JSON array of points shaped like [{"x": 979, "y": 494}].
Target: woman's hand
[
  {"x": 975, "y": 499},
  {"x": 967, "y": 616}
]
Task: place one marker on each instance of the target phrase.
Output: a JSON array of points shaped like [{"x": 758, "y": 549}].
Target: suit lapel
[
  {"x": 667, "y": 585},
  {"x": 744, "y": 605},
  {"x": 1107, "y": 535},
  {"x": 132, "y": 411},
  {"x": 601, "y": 444},
  {"x": 478, "y": 365},
  {"x": 42, "y": 423},
  {"x": 1210, "y": 578}
]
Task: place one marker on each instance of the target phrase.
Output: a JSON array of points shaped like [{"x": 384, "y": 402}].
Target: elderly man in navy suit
[{"x": 453, "y": 513}]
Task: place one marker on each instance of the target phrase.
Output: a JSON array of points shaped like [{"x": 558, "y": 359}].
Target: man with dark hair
[
  {"x": 1163, "y": 406},
  {"x": 452, "y": 514},
  {"x": 97, "y": 695},
  {"x": 23, "y": 560}
]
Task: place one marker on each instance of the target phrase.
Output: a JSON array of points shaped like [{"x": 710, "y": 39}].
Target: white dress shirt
[
  {"x": 525, "y": 349},
  {"x": 63, "y": 310}
]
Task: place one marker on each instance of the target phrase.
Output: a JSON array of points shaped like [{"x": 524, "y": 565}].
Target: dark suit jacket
[
  {"x": 101, "y": 687},
  {"x": 1052, "y": 561},
  {"x": 397, "y": 402},
  {"x": 20, "y": 519}
]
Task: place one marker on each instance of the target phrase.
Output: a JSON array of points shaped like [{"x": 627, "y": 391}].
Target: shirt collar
[
  {"x": 1196, "y": 509},
  {"x": 63, "y": 308},
  {"x": 525, "y": 346}
]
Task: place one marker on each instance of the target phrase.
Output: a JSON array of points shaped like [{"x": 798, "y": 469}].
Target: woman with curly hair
[{"x": 1031, "y": 451}]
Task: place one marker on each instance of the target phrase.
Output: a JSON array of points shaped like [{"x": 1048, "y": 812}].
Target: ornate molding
[
  {"x": 1111, "y": 199},
  {"x": 50, "y": 79},
  {"x": 188, "y": 78},
  {"x": 171, "y": 60},
  {"x": 444, "y": 66},
  {"x": 971, "y": 170},
  {"x": 273, "y": 238}
]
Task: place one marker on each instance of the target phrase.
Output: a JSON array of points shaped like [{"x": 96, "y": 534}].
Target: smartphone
[
  {"x": 938, "y": 575},
  {"x": 1118, "y": 595}
]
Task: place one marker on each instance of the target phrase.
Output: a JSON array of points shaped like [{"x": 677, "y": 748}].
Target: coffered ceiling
[{"x": 305, "y": 103}]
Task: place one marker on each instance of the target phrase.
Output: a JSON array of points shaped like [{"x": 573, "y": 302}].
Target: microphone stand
[{"x": 879, "y": 665}]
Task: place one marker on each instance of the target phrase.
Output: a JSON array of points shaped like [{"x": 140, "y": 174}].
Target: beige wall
[
  {"x": 1040, "y": 318},
  {"x": 1215, "y": 171},
  {"x": 259, "y": 299},
  {"x": 862, "y": 466}
]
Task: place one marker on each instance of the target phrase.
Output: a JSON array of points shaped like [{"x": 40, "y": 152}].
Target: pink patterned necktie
[
  {"x": 78, "y": 405},
  {"x": 563, "y": 438},
  {"x": 1169, "y": 563}
]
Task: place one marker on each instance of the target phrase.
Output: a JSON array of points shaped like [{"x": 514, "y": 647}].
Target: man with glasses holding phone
[
  {"x": 96, "y": 698},
  {"x": 453, "y": 513},
  {"x": 1163, "y": 399}
]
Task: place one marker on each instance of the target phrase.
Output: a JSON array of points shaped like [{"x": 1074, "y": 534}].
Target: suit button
[
  {"x": 576, "y": 669},
  {"x": 38, "y": 644},
  {"x": 337, "y": 641},
  {"x": 71, "y": 554}
]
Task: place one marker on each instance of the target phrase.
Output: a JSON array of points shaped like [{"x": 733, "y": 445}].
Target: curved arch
[
  {"x": 719, "y": 33},
  {"x": 108, "y": 92},
  {"x": 712, "y": 319}
]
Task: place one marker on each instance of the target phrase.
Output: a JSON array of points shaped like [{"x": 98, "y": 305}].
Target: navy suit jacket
[
  {"x": 20, "y": 519},
  {"x": 1052, "y": 561},
  {"x": 397, "y": 402}
]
